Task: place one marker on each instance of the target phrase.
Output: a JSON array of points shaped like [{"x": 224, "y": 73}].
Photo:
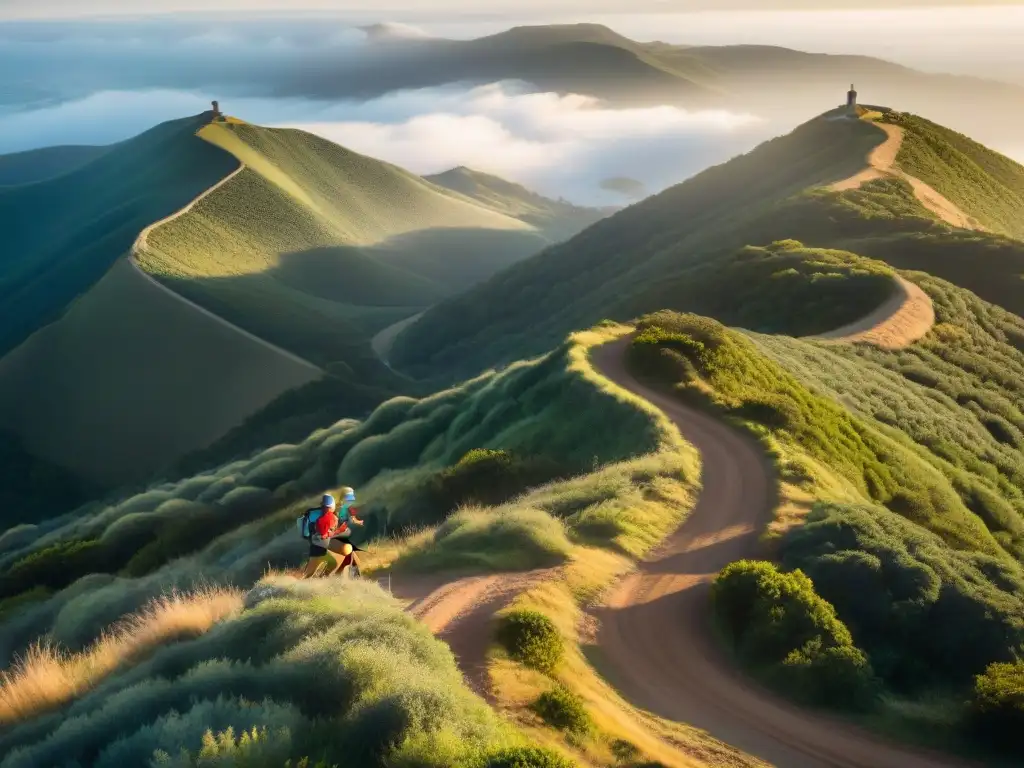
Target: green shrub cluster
[
  {"x": 531, "y": 638},
  {"x": 997, "y": 706},
  {"x": 791, "y": 635},
  {"x": 341, "y": 674},
  {"x": 561, "y": 708},
  {"x": 927, "y": 614}
]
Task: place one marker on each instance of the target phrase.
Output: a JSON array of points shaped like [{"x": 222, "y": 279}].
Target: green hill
[
  {"x": 41, "y": 164},
  {"x": 557, "y": 219},
  {"x": 656, "y": 254},
  {"x": 316, "y": 248},
  {"x": 62, "y": 234},
  {"x": 307, "y": 246}
]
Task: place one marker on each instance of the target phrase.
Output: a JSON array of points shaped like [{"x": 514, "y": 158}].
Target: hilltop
[
  {"x": 284, "y": 255},
  {"x": 662, "y": 252}
]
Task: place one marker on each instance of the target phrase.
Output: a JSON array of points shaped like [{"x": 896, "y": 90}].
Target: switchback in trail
[{"x": 657, "y": 647}]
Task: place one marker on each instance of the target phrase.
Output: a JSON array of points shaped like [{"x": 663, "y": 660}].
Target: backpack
[{"x": 305, "y": 522}]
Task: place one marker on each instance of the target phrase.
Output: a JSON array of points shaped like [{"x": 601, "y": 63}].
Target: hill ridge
[
  {"x": 882, "y": 163},
  {"x": 142, "y": 243}
]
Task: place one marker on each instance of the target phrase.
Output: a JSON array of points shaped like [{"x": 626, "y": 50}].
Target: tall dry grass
[{"x": 47, "y": 677}]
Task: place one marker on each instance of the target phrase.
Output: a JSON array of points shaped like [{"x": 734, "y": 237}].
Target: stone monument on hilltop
[
  {"x": 216, "y": 111},
  {"x": 851, "y": 101}
]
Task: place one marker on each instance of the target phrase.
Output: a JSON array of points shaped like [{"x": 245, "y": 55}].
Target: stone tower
[
  {"x": 216, "y": 110},
  {"x": 851, "y": 100}
]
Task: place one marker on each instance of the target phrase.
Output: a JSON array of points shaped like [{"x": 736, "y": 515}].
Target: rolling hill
[
  {"x": 656, "y": 254},
  {"x": 273, "y": 280},
  {"x": 63, "y": 233},
  {"x": 594, "y": 60}
]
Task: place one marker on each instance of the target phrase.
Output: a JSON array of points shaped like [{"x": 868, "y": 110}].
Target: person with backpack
[
  {"x": 347, "y": 514},
  {"x": 320, "y": 526}
]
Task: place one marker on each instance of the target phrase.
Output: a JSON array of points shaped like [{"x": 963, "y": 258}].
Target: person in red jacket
[{"x": 326, "y": 550}]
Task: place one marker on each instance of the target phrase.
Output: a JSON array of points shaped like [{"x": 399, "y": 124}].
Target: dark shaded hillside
[
  {"x": 61, "y": 235},
  {"x": 41, "y": 164}
]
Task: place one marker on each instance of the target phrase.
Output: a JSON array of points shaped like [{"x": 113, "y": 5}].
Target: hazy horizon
[{"x": 97, "y": 82}]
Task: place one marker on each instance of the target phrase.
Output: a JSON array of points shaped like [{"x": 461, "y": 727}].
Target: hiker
[
  {"x": 320, "y": 526},
  {"x": 346, "y": 514}
]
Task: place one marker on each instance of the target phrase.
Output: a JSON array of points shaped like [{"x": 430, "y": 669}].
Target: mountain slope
[
  {"x": 301, "y": 254},
  {"x": 41, "y": 164},
  {"x": 315, "y": 248},
  {"x": 653, "y": 254},
  {"x": 557, "y": 219},
  {"x": 62, "y": 234}
]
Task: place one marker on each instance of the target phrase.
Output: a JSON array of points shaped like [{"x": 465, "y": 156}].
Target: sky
[
  {"x": 51, "y": 8},
  {"x": 76, "y": 82}
]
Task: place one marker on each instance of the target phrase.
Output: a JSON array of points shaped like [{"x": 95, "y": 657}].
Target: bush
[
  {"x": 788, "y": 633},
  {"x": 997, "y": 706},
  {"x": 532, "y": 639},
  {"x": 528, "y": 757},
  {"x": 561, "y": 708}
]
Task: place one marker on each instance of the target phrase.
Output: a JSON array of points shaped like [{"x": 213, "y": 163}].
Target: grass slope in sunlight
[
  {"x": 982, "y": 183},
  {"x": 341, "y": 674},
  {"x": 315, "y": 248}
]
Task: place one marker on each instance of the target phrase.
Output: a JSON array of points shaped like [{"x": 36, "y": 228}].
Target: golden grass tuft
[{"x": 47, "y": 677}]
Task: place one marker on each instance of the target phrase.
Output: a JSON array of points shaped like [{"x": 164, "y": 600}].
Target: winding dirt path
[
  {"x": 658, "y": 648},
  {"x": 882, "y": 163},
  {"x": 142, "y": 243},
  {"x": 461, "y": 612},
  {"x": 654, "y": 632},
  {"x": 897, "y": 323}
]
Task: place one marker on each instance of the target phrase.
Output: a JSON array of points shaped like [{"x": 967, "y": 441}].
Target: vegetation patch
[
  {"x": 561, "y": 708},
  {"x": 782, "y": 628},
  {"x": 532, "y": 639},
  {"x": 997, "y": 706},
  {"x": 341, "y": 675}
]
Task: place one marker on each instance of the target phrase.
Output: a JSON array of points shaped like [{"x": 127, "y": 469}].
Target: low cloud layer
[{"x": 557, "y": 145}]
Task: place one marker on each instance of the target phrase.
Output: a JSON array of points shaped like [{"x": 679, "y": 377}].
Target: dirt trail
[
  {"x": 881, "y": 163},
  {"x": 142, "y": 243},
  {"x": 903, "y": 319},
  {"x": 659, "y": 650},
  {"x": 461, "y": 612}
]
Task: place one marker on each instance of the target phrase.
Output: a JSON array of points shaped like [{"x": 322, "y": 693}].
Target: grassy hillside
[
  {"x": 475, "y": 448},
  {"x": 557, "y": 219},
  {"x": 41, "y": 164},
  {"x": 315, "y": 248},
  {"x": 980, "y": 182},
  {"x": 902, "y": 479},
  {"x": 62, "y": 234},
  {"x": 660, "y": 253}
]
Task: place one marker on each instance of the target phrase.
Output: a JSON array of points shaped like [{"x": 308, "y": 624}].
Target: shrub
[
  {"x": 561, "y": 708},
  {"x": 790, "y": 634},
  {"x": 532, "y": 639},
  {"x": 997, "y": 706},
  {"x": 528, "y": 757}
]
